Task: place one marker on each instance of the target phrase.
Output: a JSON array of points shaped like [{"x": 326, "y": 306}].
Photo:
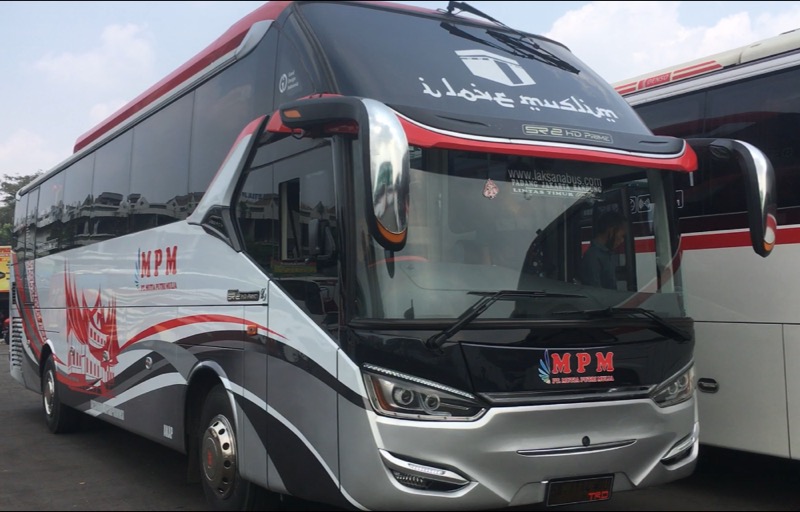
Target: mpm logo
[{"x": 151, "y": 262}]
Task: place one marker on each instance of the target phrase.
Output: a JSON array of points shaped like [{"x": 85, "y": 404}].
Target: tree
[{"x": 8, "y": 193}]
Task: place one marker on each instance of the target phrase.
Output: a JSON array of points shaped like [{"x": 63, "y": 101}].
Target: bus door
[{"x": 286, "y": 217}]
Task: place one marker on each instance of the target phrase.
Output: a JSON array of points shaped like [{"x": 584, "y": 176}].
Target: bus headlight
[
  {"x": 675, "y": 390},
  {"x": 400, "y": 395}
]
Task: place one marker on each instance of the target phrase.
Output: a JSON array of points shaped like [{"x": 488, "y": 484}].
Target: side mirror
[
  {"x": 759, "y": 185},
  {"x": 384, "y": 155}
]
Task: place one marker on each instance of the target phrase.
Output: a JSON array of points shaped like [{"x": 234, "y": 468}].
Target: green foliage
[{"x": 8, "y": 193}]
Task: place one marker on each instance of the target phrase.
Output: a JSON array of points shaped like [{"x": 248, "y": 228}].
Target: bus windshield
[
  {"x": 420, "y": 65},
  {"x": 481, "y": 223}
]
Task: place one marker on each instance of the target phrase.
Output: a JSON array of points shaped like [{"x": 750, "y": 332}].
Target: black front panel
[
  {"x": 405, "y": 352},
  {"x": 550, "y": 361},
  {"x": 557, "y": 360}
]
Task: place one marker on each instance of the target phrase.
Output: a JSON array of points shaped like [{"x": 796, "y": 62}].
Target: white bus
[
  {"x": 747, "y": 328},
  {"x": 335, "y": 256}
]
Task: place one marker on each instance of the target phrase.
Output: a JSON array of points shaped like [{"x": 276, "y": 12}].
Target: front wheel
[
  {"x": 60, "y": 418},
  {"x": 224, "y": 488}
]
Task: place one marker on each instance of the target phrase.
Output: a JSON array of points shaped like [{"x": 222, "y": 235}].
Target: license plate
[{"x": 569, "y": 492}]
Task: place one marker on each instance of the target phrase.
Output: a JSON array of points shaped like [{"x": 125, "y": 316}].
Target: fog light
[
  {"x": 415, "y": 475},
  {"x": 413, "y": 481}
]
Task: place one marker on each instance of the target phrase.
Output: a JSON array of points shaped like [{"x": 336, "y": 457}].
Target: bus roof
[
  {"x": 226, "y": 43},
  {"x": 764, "y": 49}
]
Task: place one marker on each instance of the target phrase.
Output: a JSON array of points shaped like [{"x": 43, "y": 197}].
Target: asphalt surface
[{"x": 99, "y": 467}]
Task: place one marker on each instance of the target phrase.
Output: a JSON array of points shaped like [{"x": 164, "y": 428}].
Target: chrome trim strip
[{"x": 567, "y": 450}]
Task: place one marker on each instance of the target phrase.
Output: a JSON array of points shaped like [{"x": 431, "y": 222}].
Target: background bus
[
  {"x": 269, "y": 261},
  {"x": 748, "y": 333}
]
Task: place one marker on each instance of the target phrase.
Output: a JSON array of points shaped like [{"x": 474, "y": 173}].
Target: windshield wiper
[
  {"x": 489, "y": 298},
  {"x": 522, "y": 46},
  {"x": 674, "y": 332}
]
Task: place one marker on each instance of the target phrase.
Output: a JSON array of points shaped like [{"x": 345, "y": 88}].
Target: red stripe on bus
[
  {"x": 189, "y": 320},
  {"x": 731, "y": 239},
  {"x": 645, "y": 245},
  {"x": 695, "y": 66},
  {"x": 719, "y": 240},
  {"x": 419, "y": 136},
  {"x": 700, "y": 71}
]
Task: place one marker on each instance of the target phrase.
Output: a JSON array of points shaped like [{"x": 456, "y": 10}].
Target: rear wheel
[
  {"x": 60, "y": 418},
  {"x": 224, "y": 488}
]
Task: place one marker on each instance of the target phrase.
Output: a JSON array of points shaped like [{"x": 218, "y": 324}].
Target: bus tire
[
  {"x": 60, "y": 418},
  {"x": 224, "y": 488}
]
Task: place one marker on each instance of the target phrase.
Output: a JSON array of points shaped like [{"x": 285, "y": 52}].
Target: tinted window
[
  {"x": 683, "y": 117},
  {"x": 48, "y": 218},
  {"x": 281, "y": 206},
  {"x": 258, "y": 213},
  {"x": 678, "y": 117},
  {"x": 110, "y": 188},
  {"x": 223, "y": 107},
  {"x": 30, "y": 224},
  {"x": 77, "y": 202},
  {"x": 294, "y": 76},
  {"x": 411, "y": 60},
  {"x": 20, "y": 212},
  {"x": 766, "y": 113},
  {"x": 160, "y": 167}
]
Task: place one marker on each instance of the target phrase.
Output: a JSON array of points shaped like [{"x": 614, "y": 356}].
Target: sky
[{"x": 65, "y": 66}]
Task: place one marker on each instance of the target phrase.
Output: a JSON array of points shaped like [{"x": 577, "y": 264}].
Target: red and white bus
[
  {"x": 334, "y": 256},
  {"x": 748, "y": 335}
]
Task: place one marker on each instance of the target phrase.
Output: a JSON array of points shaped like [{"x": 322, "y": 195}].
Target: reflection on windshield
[{"x": 486, "y": 222}]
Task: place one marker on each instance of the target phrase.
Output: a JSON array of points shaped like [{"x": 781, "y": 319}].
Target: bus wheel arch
[{"x": 200, "y": 384}]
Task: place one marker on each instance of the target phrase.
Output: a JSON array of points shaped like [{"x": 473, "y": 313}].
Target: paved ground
[{"x": 98, "y": 468}]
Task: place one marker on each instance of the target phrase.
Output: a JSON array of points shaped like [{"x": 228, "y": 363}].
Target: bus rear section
[{"x": 379, "y": 300}]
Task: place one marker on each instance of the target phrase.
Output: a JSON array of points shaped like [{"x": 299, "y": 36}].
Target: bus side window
[
  {"x": 222, "y": 106},
  {"x": 48, "y": 218},
  {"x": 306, "y": 192},
  {"x": 159, "y": 171},
  {"x": 257, "y": 215},
  {"x": 20, "y": 215},
  {"x": 277, "y": 206},
  {"x": 77, "y": 202},
  {"x": 30, "y": 223},
  {"x": 770, "y": 122},
  {"x": 110, "y": 188},
  {"x": 682, "y": 117}
]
